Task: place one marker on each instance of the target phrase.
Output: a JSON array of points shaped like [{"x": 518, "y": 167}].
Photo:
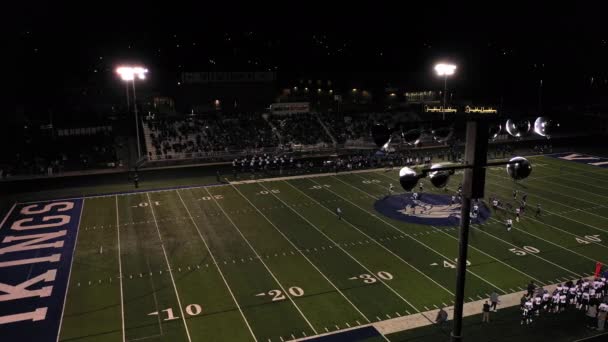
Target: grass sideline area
[{"x": 271, "y": 261}]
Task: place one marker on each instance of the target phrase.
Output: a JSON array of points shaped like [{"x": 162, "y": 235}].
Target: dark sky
[{"x": 501, "y": 52}]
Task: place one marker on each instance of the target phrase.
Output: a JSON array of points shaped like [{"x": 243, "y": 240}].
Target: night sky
[{"x": 502, "y": 53}]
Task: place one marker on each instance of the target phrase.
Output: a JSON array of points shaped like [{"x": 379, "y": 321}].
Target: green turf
[{"x": 270, "y": 260}]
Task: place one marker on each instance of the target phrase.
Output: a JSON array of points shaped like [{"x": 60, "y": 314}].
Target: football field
[{"x": 272, "y": 261}]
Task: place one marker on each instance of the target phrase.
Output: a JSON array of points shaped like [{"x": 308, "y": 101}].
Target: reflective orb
[
  {"x": 380, "y": 134},
  {"x": 494, "y": 130},
  {"x": 408, "y": 178},
  {"x": 517, "y": 129},
  {"x": 411, "y": 137},
  {"x": 544, "y": 126},
  {"x": 520, "y": 170},
  {"x": 387, "y": 147},
  {"x": 439, "y": 178},
  {"x": 442, "y": 134}
]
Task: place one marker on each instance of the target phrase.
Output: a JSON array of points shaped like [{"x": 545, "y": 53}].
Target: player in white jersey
[
  {"x": 585, "y": 301},
  {"x": 555, "y": 301},
  {"x": 538, "y": 300},
  {"x": 415, "y": 196},
  {"x": 546, "y": 300},
  {"x": 509, "y": 224},
  {"x": 572, "y": 294},
  {"x": 579, "y": 297},
  {"x": 517, "y": 210},
  {"x": 527, "y": 312},
  {"x": 562, "y": 302},
  {"x": 495, "y": 204},
  {"x": 453, "y": 199},
  {"x": 390, "y": 189}
]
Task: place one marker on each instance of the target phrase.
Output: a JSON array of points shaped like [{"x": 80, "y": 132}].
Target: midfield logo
[
  {"x": 427, "y": 209},
  {"x": 582, "y": 158}
]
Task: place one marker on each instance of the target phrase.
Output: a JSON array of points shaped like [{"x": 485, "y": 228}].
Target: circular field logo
[{"x": 429, "y": 209}]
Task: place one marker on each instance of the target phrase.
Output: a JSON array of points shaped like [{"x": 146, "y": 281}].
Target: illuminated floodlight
[
  {"x": 443, "y": 69},
  {"x": 129, "y": 73}
]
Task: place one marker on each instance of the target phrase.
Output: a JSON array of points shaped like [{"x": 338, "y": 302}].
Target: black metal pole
[
  {"x": 472, "y": 187},
  {"x": 461, "y": 267}
]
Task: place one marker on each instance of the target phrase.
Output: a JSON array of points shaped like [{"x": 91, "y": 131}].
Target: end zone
[
  {"x": 582, "y": 158},
  {"x": 37, "y": 243}
]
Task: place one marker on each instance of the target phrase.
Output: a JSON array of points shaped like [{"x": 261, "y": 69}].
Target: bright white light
[
  {"x": 128, "y": 73},
  {"x": 445, "y": 69}
]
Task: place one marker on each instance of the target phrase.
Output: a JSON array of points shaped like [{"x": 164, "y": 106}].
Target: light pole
[
  {"x": 445, "y": 70},
  {"x": 475, "y": 164},
  {"x": 130, "y": 73}
]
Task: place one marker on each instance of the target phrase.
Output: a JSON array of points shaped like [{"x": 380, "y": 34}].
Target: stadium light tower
[
  {"x": 445, "y": 70},
  {"x": 130, "y": 74}
]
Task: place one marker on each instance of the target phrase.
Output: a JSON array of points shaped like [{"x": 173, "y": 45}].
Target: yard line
[
  {"x": 261, "y": 260},
  {"x": 566, "y": 186},
  {"x": 122, "y": 301},
  {"x": 160, "y": 326},
  {"x": 169, "y": 266},
  {"x": 523, "y": 231},
  {"x": 338, "y": 245},
  {"x": 296, "y": 247},
  {"x": 482, "y": 252},
  {"x": 374, "y": 240},
  {"x": 563, "y": 194},
  {"x": 533, "y": 254},
  {"x": 549, "y": 242},
  {"x": 145, "y": 338},
  {"x": 71, "y": 264},
  {"x": 572, "y": 179},
  {"x": 590, "y": 337},
  {"x": 565, "y": 205},
  {"x": 401, "y": 232}
]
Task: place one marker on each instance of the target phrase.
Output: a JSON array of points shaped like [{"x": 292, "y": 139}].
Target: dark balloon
[
  {"x": 408, "y": 178},
  {"x": 411, "y": 137},
  {"x": 380, "y": 134},
  {"x": 443, "y": 134},
  {"x": 520, "y": 170},
  {"x": 495, "y": 130},
  {"x": 518, "y": 129},
  {"x": 439, "y": 178}
]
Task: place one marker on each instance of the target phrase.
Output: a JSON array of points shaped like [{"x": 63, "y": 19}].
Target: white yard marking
[
  {"x": 296, "y": 247},
  {"x": 216, "y": 265},
  {"x": 71, "y": 263},
  {"x": 482, "y": 252},
  {"x": 170, "y": 272},
  {"x": 262, "y": 261},
  {"x": 549, "y": 242},
  {"x": 401, "y": 232},
  {"x": 369, "y": 238}
]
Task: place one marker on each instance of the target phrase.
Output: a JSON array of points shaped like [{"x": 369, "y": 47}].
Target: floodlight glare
[
  {"x": 443, "y": 69},
  {"x": 128, "y": 73}
]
